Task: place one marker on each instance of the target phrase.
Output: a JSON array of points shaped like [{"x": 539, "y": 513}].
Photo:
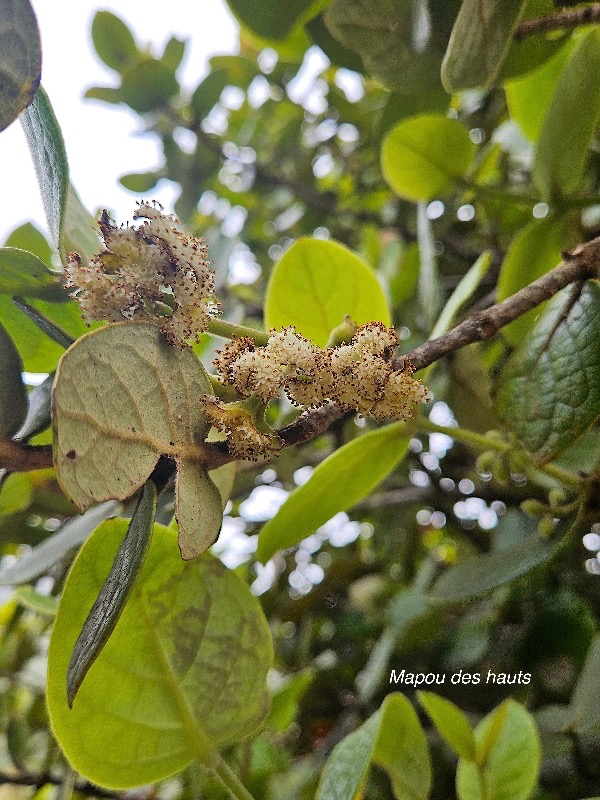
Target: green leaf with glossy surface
[
  {"x": 483, "y": 573},
  {"x": 20, "y": 58},
  {"x": 316, "y": 283},
  {"x": 450, "y": 722},
  {"x": 535, "y": 250},
  {"x": 113, "y": 41},
  {"x": 549, "y": 392},
  {"x": 394, "y": 740},
  {"x": 479, "y": 43},
  {"x": 338, "y": 483},
  {"x": 115, "y": 591},
  {"x": 509, "y": 759},
  {"x": 124, "y": 396},
  {"x": 182, "y": 674},
  {"x": 13, "y": 395},
  {"x": 24, "y": 273},
  {"x": 422, "y": 157},
  {"x": 570, "y": 121}
]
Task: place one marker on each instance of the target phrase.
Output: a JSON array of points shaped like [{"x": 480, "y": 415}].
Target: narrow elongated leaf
[
  {"x": 422, "y": 156},
  {"x": 79, "y": 231},
  {"x": 463, "y": 292},
  {"x": 570, "y": 121},
  {"x": 39, "y": 411},
  {"x": 338, "y": 483},
  {"x": 509, "y": 768},
  {"x": 549, "y": 393},
  {"x": 483, "y": 573},
  {"x": 24, "y": 273},
  {"x": 115, "y": 591},
  {"x": 20, "y": 58},
  {"x": 584, "y": 708},
  {"x": 393, "y": 739},
  {"x": 450, "y": 722},
  {"x": 13, "y": 395},
  {"x": 479, "y": 43},
  {"x": 49, "y": 158},
  {"x": 53, "y": 549},
  {"x": 316, "y": 283},
  {"x": 183, "y": 672},
  {"x": 429, "y": 289}
]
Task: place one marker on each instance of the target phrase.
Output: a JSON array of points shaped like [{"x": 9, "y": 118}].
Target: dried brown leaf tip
[
  {"x": 357, "y": 376},
  {"x": 152, "y": 272},
  {"x": 245, "y": 440}
]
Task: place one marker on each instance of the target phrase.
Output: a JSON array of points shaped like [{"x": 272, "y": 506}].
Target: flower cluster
[
  {"x": 245, "y": 439},
  {"x": 357, "y": 376},
  {"x": 152, "y": 272}
]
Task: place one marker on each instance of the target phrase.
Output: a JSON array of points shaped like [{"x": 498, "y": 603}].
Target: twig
[
  {"x": 561, "y": 21},
  {"x": 29, "y": 779},
  {"x": 24, "y": 457}
]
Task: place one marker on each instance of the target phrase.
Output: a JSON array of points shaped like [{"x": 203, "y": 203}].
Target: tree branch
[
  {"x": 561, "y": 21},
  {"x": 24, "y": 457},
  {"x": 37, "y": 781}
]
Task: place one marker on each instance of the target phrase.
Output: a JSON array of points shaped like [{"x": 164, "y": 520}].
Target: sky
[{"x": 102, "y": 140}]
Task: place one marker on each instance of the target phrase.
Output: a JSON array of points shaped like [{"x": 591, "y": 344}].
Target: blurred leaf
[
  {"x": 549, "y": 392},
  {"x": 20, "y": 59},
  {"x": 585, "y": 713},
  {"x": 451, "y": 723},
  {"x": 335, "y": 51},
  {"x": 115, "y": 591},
  {"x": 483, "y": 573},
  {"x": 464, "y": 291},
  {"x": 53, "y": 549},
  {"x": 113, "y": 41},
  {"x": 47, "y": 149},
  {"x": 148, "y": 86},
  {"x": 140, "y": 182},
  {"x": 13, "y": 395},
  {"x": 22, "y": 272},
  {"x": 132, "y": 406},
  {"x": 528, "y": 54},
  {"x": 174, "y": 52},
  {"x": 286, "y": 699},
  {"x": 393, "y": 739},
  {"x": 429, "y": 287},
  {"x": 510, "y": 767},
  {"x": 404, "y": 280},
  {"x": 400, "y": 106},
  {"x": 15, "y": 493},
  {"x": 107, "y": 94},
  {"x": 198, "y": 650},
  {"x": 268, "y": 20},
  {"x": 28, "y": 237},
  {"x": 338, "y": 483},
  {"x": 316, "y": 283},
  {"x": 479, "y": 43},
  {"x": 208, "y": 92},
  {"x": 422, "y": 156},
  {"x": 570, "y": 121},
  {"x": 28, "y": 597},
  {"x": 535, "y": 250}
]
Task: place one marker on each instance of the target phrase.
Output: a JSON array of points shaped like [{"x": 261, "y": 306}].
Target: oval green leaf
[
  {"x": 394, "y": 740},
  {"x": 113, "y": 40},
  {"x": 316, "y": 283},
  {"x": 24, "y": 273},
  {"x": 182, "y": 674},
  {"x": 549, "y": 392},
  {"x": 338, "y": 483},
  {"x": 423, "y": 156},
  {"x": 20, "y": 58},
  {"x": 450, "y": 722},
  {"x": 570, "y": 121},
  {"x": 13, "y": 395}
]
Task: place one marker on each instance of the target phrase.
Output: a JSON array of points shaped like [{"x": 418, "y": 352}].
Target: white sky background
[{"x": 100, "y": 138}]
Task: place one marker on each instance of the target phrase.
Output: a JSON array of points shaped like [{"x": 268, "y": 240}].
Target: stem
[
  {"x": 561, "y": 21},
  {"x": 230, "y": 781},
  {"x": 229, "y": 330}
]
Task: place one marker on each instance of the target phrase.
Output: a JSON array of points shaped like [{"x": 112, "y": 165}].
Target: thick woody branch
[
  {"x": 24, "y": 457},
  {"x": 561, "y": 21}
]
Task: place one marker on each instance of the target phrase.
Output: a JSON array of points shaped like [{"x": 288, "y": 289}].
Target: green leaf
[
  {"x": 316, "y": 283},
  {"x": 173, "y": 53},
  {"x": 115, "y": 591},
  {"x": 463, "y": 292},
  {"x": 28, "y": 237},
  {"x": 337, "y": 483},
  {"x": 479, "y": 43},
  {"x": 335, "y": 51},
  {"x": 182, "y": 674},
  {"x": 393, "y": 739},
  {"x": 536, "y": 249},
  {"x": 428, "y": 287},
  {"x": 16, "y": 493},
  {"x": 481, "y": 574},
  {"x": 51, "y": 330},
  {"x": 20, "y": 58},
  {"x": 123, "y": 397},
  {"x": 107, "y": 94},
  {"x": 267, "y": 20},
  {"x": 509, "y": 759},
  {"x": 570, "y": 121},
  {"x": 422, "y": 157},
  {"x": 399, "y": 41},
  {"x": 140, "y": 182},
  {"x": 451, "y": 723},
  {"x": 286, "y": 700},
  {"x": 24, "y": 273},
  {"x": 49, "y": 157},
  {"x": 528, "y": 54},
  {"x": 39, "y": 354},
  {"x": 549, "y": 392},
  {"x": 53, "y": 549},
  {"x": 148, "y": 86},
  {"x": 79, "y": 232},
  {"x": 584, "y": 708},
  {"x": 208, "y": 92},
  {"x": 28, "y": 597},
  {"x": 13, "y": 395},
  {"x": 400, "y": 106},
  {"x": 113, "y": 41}
]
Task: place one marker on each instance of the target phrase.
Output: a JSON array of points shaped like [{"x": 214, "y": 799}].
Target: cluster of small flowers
[
  {"x": 244, "y": 440},
  {"x": 357, "y": 376},
  {"x": 153, "y": 273}
]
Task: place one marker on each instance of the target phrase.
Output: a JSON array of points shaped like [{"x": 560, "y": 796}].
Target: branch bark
[
  {"x": 24, "y": 457},
  {"x": 561, "y": 21}
]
